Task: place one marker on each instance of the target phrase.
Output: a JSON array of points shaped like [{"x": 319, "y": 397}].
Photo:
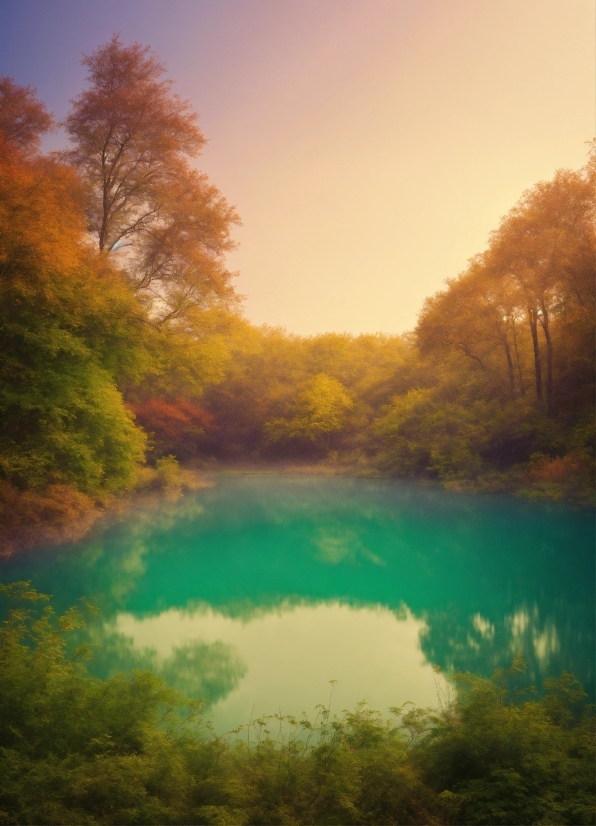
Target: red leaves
[
  {"x": 175, "y": 425},
  {"x": 559, "y": 469}
]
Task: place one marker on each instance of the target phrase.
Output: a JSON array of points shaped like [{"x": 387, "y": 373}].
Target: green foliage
[
  {"x": 320, "y": 409},
  {"x": 426, "y": 433},
  {"x": 510, "y": 761},
  {"x": 423, "y": 435},
  {"x": 65, "y": 321},
  {"x": 68, "y": 422},
  {"x": 184, "y": 356},
  {"x": 272, "y": 400},
  {"x": 76, "y": 749}
]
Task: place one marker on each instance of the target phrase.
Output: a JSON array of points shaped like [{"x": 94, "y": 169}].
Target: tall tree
[
  {"x": 546, "y": 243},
  {"x": 474, "y": 320},
  {"x": 132, "y": 139}
]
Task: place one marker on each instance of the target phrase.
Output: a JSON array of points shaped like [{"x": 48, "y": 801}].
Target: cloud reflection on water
[{"x": 292, "y": 653}]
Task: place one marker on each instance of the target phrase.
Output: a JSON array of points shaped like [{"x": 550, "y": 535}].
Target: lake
[{"x": 257, "y": 592}]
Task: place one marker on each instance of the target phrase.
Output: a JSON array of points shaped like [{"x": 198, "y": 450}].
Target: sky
[{"x": 370, "y": 146}]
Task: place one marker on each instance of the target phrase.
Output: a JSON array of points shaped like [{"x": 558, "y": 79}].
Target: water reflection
[
  {"x": 550, "y": 639},
  {"x": 268, "y": 587},
  {"x": 207, "y": 671},
  {"x": 336, "y": 544},
  {"x": 292, "y": 653}
]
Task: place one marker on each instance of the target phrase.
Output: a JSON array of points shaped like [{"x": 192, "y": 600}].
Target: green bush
[{"x": 76, "y": 749}]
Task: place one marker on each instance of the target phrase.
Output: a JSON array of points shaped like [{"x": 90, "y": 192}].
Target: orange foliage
[
  {"x": 41, "y": 216},
  {"x": 60, "y": 513},
  {"x": 23, "y": 118},
  {"x": 131, "y": 140},
  {"x": 175, "y": 425},
  {"x": 560, "y": 469}
]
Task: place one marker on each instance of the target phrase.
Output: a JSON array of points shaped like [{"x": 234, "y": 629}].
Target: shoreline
[{"x": 63, "y": 515}]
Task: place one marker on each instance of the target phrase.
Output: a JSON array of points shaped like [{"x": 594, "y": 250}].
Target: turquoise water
[{"x": 257, "y": 592}]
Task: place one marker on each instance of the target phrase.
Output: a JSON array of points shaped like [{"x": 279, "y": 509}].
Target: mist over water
[{"x": 257, "y": 592}]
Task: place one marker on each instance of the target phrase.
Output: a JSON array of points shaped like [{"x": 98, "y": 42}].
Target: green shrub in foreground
[{"x": 75, "y": 749}]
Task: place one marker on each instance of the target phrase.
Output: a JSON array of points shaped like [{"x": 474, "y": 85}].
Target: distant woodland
[{"x": 124, "y": 354}]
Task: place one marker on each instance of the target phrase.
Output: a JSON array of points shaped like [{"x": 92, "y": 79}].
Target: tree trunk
[
  {"x": 522, "y": 386},
  {"x": 549, "y": 362},
  {"x": 533, "y": 319},
  {"x": 510, "y": 369}
]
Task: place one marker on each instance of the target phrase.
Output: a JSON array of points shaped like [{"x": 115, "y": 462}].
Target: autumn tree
[
  {"x": 65, "y": 339},
  {"x": 132, "y": 139},
  {"x": 266, "y": 367},
  {"x": 476, "y": 319},
  {"x": 529, "y": 295},
  {"x": 23, "y": 117},
  {"x": 175, "y": 426},
  {"x": 547, "y": 246}
]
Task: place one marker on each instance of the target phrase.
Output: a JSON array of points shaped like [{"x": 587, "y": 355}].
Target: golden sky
[
  {"x": 370, "y": 145},
  {"x": 375, "y": 167}
]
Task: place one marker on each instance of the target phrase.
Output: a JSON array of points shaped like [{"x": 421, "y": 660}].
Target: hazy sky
[{"x": 370, "y": 146}]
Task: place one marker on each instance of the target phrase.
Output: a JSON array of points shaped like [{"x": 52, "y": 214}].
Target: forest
[
  {"x": 125, "y": 353},
  {"x": 128, "y": 367}
]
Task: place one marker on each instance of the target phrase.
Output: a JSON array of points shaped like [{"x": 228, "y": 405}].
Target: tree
[
  {"x": 546, "y": 244},
  {"x": 23, "y": 118},
  {"x": 65, "y": 324},
  {"x": 476, "y": 318},
  {"x": 132, "y": 138},
  {"x": 320, "y": 409},
  {"x": 175, "y": 425},
  {"x": 530, "y": 297}
]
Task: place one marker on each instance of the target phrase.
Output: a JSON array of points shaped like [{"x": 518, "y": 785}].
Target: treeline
[
  {"x": 494, "y": 388},
  {"x": 76, "y": 749},
  {"x": 122, "y": 342}
]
